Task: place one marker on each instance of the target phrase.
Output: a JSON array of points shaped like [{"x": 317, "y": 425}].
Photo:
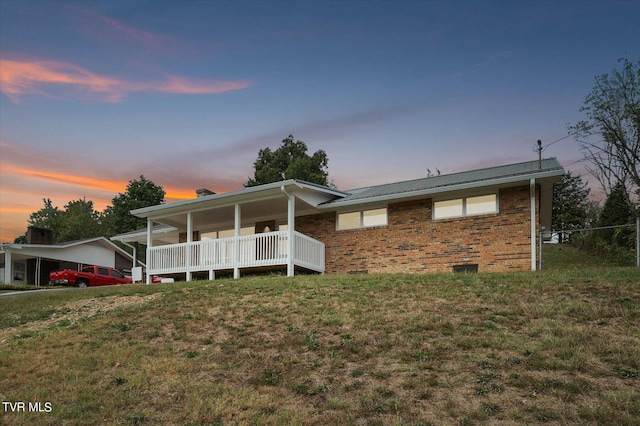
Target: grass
[
  {"x": 10, "y": 288},
  {"x": 568, "y": 257},
  {"x": 557, "y": 347}
]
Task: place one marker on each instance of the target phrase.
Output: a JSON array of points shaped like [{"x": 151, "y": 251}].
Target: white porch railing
[{"x": 266, "y": 249}]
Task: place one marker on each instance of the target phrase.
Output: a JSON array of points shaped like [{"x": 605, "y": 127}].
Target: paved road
[{"x": 26, "y": 292}]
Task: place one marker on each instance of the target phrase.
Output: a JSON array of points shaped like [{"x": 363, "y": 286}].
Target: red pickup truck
[{"x": 88, "y": 276}]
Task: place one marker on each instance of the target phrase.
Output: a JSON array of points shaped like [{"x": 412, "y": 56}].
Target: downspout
[
  {"x": 189, "y": 245},
  {"x": 135, "y": 260},
  {"x": 236, "y": 241},
  {"x": 8, "y": 267},
  {"x": 291, "y": 218},
  {"x": 532, "y": 190},
  {"x": 149, "y": 246}
]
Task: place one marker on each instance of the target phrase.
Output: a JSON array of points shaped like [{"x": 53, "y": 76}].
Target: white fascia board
[
  {"x": 40, "y": 249},
  {"x": 132, "y": 236},
  {"x": 53, "y": 246},
  {"x": 111, "y": 245},
  {"x": 524, "y": 179},
  {"x": 100, "y": 240}
]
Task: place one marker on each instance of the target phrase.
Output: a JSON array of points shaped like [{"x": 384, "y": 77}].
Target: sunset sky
[{"x": 96, "y": 93}]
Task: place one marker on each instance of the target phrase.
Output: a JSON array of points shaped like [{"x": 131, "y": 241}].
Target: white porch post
[
  {"x": 149, "y": 246},
  {"x": 8, "y": 267},
  {"x": 38, "y": 270},
  {"x": 291, "y": 219},
  {"x": 532, "y": 191},
  {"x": 189, "y": 240},
  {"x": 236, "y": 243}
]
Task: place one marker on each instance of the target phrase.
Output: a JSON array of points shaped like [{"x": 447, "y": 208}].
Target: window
[
  {"x": 227, "y": 233},
  {"x": 19, "y": 271},
  {"x": 362, "y": 219},
  {"x": 482, "y": 205},
  {"x": 465, "y": 269},
  {"x": 376, "y": 217},
  {"x": 470, "y": 206},
  {"x": 349, "y": 220},
  {"x": 116, "y": 274},
  {"x": 103, "y": 271},
  {"x": 449, "y": 208}
]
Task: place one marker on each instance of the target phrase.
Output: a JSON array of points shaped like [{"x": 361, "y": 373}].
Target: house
[
  {"x": 479, "y": 220},
  {"x": 32, "y": 262}
]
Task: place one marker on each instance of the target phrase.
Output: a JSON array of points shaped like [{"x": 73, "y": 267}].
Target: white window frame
[
  {"x": 464, "y": 206},
  {"x": 227, "y": 233},
  {"x": 361, "y": 224}
]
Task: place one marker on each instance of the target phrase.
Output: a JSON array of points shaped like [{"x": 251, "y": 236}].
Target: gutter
[{"x": 133, "y": 249}]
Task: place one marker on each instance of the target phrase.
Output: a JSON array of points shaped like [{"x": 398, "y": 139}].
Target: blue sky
[{"x": 94, "y": 94}]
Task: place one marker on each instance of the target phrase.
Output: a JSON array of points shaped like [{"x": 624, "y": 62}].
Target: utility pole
[{"x": 539, "y": 154}]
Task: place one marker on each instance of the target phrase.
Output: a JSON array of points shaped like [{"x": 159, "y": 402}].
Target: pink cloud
[
  {"x": 176, "y": 84},
  {"x": 144, "y": 38},
  {"x": 18, "y": 78},
  {"x": 29, "y": 77}
]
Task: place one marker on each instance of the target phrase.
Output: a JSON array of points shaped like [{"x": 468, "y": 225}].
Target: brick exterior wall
[{"x": 413, "y": 242}]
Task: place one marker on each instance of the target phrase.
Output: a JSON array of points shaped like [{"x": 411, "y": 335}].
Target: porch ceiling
[{"x": 250, "y": 212}]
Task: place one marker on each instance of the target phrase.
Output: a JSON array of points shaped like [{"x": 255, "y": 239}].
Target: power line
[{"x": 543, "y": 148}]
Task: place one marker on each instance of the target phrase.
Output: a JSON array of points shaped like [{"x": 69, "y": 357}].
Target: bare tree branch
[{"x": 610, "y": 136}]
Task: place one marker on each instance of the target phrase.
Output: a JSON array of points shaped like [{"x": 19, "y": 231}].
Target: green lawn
[{"x": 557, "y": 347}]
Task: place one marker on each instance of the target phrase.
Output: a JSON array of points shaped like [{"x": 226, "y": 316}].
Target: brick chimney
[
  {"x": 203, "y": 192},
  {"x": 39, "y": 236}
]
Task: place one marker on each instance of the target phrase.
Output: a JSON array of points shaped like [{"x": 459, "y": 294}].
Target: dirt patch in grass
[{"x": 71, "y": 312}]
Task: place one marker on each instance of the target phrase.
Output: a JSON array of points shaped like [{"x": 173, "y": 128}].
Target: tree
[
  {"x": 571, "y": 206},
  {"x": 139, "y": 193},
  {"x": 610, "y": 136},
  {"x": 616, "y": 211},
  {"x": 48, "y": 217},
  {"x": 78, "y": 221},
  {"x": 290, "y": 161}
]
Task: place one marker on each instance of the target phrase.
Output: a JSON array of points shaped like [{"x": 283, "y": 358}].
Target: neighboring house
[
  {"x": 480, "y": 220},
  {"x": 31, "y": 263}
]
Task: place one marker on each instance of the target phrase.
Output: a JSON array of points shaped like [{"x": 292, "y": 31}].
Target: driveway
[{"x": 26, "y": 292}]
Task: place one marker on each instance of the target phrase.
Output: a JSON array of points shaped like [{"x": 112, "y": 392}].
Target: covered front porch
[
  {"x": 244, "y": 231},
  {"x": 237, "y": 254}
]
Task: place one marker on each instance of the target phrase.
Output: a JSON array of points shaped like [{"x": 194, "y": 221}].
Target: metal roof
[
  {"x": 242, "y": 195},
  {"x": 449, "y": 182},
  {"x": 509, "y": 174}
]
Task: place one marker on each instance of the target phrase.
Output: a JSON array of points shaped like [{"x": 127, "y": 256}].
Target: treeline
[
  {"x": 78, "y": 219},
  {"x": 574, "y": 211}
]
